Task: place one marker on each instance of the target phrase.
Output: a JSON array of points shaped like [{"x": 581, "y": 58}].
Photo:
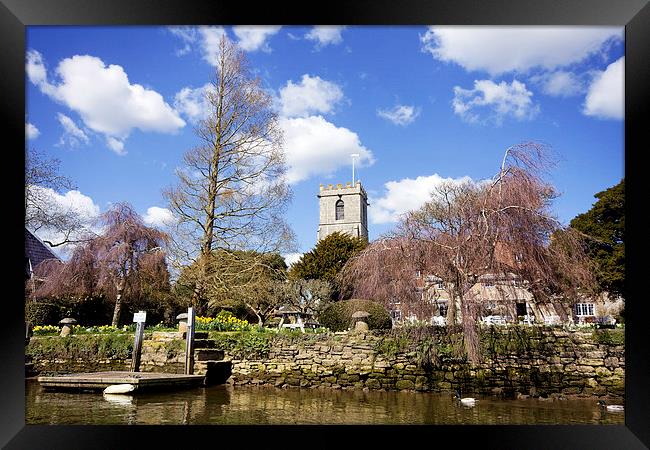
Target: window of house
[
  {"x": 396, "y": 315},
  {"x": 442, "y": 307},
  {"x": 340, "y": 215},
  {"x": 584, "y": 309},
  {"x": 521, "y": 309},
  {"x": 418, "y": 274}
]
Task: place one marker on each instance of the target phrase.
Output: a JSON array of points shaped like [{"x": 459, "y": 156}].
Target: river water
[{"x": 225, "y": 404}]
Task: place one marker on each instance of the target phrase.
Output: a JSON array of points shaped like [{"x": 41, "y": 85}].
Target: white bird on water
[
  {"x": 611, "y": 408},
  {"x": 465, "y": 401}
]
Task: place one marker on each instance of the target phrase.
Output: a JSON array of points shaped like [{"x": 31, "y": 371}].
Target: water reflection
[{"x": 268, "y": 405}]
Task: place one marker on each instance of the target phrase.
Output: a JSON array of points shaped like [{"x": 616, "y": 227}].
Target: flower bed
[
  {"x": 224, "y": 321},
  {"x": 53, "y": 330}
]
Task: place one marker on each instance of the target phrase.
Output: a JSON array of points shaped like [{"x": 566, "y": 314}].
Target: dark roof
[{"x": 36, "y": 251}]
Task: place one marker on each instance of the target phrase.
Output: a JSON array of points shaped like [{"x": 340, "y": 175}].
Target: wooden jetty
[{"x": 141, "y": 380}]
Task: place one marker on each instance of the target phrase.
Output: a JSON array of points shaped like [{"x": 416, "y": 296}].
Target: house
[
  {"x": 35, "y": 253},
  {"x": 502, "y": 298}
]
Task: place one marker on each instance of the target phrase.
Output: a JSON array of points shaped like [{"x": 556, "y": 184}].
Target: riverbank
[{"x": 518, "y": 361}]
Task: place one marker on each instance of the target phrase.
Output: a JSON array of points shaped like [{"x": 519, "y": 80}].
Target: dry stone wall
[
  {"x": 551, "y": 364},
  {"x": 548, "y": 362}
]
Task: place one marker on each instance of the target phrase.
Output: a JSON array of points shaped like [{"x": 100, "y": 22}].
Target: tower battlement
[{"x": 339, "y": 186}]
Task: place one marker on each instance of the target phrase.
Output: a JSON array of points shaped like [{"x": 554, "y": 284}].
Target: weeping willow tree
[
  {"x": 470, "y": 229},
  {"x": 126, "y": 262},
  {"x": 232, "y": 192}
]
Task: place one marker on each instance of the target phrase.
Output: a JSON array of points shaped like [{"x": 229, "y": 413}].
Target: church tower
[{"x": 343, "y": 209}]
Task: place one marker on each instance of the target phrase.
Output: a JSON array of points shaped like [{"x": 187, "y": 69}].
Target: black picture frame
[{"x": 15, "y": 15}]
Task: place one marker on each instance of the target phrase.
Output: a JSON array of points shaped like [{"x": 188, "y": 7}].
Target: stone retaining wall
[
  {"x": 555, "y": 362},
  {"x": 161, "y": 352},
  {"x": 544, "y": 362},
  {"x": 57, "y": 366}
]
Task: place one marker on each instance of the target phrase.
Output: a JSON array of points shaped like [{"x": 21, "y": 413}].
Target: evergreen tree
[
  {"x": 329, "y": 256},
  {"x": 604, "y": 224}
]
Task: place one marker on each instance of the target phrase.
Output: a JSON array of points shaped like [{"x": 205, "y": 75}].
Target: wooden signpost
[
  {"x": 139, "y": 318},
  {"x": 189, "y": 342}
]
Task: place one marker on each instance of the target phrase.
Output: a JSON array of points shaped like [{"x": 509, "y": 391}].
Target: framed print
[{"x": 361, "y": 220}]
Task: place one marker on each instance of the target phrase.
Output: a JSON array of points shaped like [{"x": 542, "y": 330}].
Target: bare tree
[
  {"x": 42, "y": 212},
  {"x": 468, "y": 230},
  {"x": 309, "y": 296},
  {"x": 125, "y": 262},
  {"x": 232, "y": 278},
  {"x": 232, "y": 193}
]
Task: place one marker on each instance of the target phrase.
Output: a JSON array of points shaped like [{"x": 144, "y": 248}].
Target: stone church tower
[{"x": 343, "y": 209}]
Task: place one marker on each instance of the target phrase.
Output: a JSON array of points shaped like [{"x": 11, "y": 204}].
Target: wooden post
[
  {"x": 139, "y": 318},
  {"x": 189, "y": 342}
]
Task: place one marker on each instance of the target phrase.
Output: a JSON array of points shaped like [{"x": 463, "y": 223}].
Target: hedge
[
  {"x": 97, "y": 310},
  {"x": 91, "y": 346},
  {"x": 338, "y": 315}
]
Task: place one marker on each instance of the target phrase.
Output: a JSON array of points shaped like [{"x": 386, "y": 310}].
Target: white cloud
[
  {"x": 31, "y": 132},
  {"x": 400, "y": 114},
  {"x": 206, "y": 39},
  {"x": 325, "y": 35},
  {"x": 606, "y": 95},
  {"x": 159, "y": 217},
  {"x": 116, "y": 145},
  {"x": 193, "y": 102},
  {"x": 405, "y": 195},
  {"x": 72, "y": 202},
  {"x": 187, "y": 35},
  {"x": 104, "y": 97},
  {"x": 37, "y": 72},
  {"x": 489, "y": 101},
  {"x": 73, "y": 135},
  {"x": 498, "y": 50},
  {"x": 315, "y": 146},
  {"x": 210, "y": 37},
  {"x": 559, "y": 83},
  {"x": 292, "y": 258},
  {"x": 311, "y": 95},
  {"x": 252, "y": 38}
]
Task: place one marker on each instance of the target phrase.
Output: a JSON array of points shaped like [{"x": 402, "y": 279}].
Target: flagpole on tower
[{"x": 353, "y": 155}]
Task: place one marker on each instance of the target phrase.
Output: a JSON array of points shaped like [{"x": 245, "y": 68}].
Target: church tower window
[{"x": 340, "y": 213}]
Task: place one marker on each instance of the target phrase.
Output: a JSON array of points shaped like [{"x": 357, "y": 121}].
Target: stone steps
[
  {"x": 208, "y": 354},
  {"x": 172, "y": 335},
  {"x": 204, "y": 343},
  {"x": 208, "y": 360},
  {"x": 216, "y": 372}
]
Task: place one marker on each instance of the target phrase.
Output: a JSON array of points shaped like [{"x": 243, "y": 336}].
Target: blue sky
[{"x": 419, "y": 104}]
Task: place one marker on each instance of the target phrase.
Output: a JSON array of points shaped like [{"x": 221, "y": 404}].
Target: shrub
[
  {"x": 338, "y": 315},
  {"x": 244, "y": 344},
  {"x": 88, "y": 310},
  {"x": 91, "y": 346},
  {"x": 609, "y": 337},
  {"x": 43, "y": 313}
]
